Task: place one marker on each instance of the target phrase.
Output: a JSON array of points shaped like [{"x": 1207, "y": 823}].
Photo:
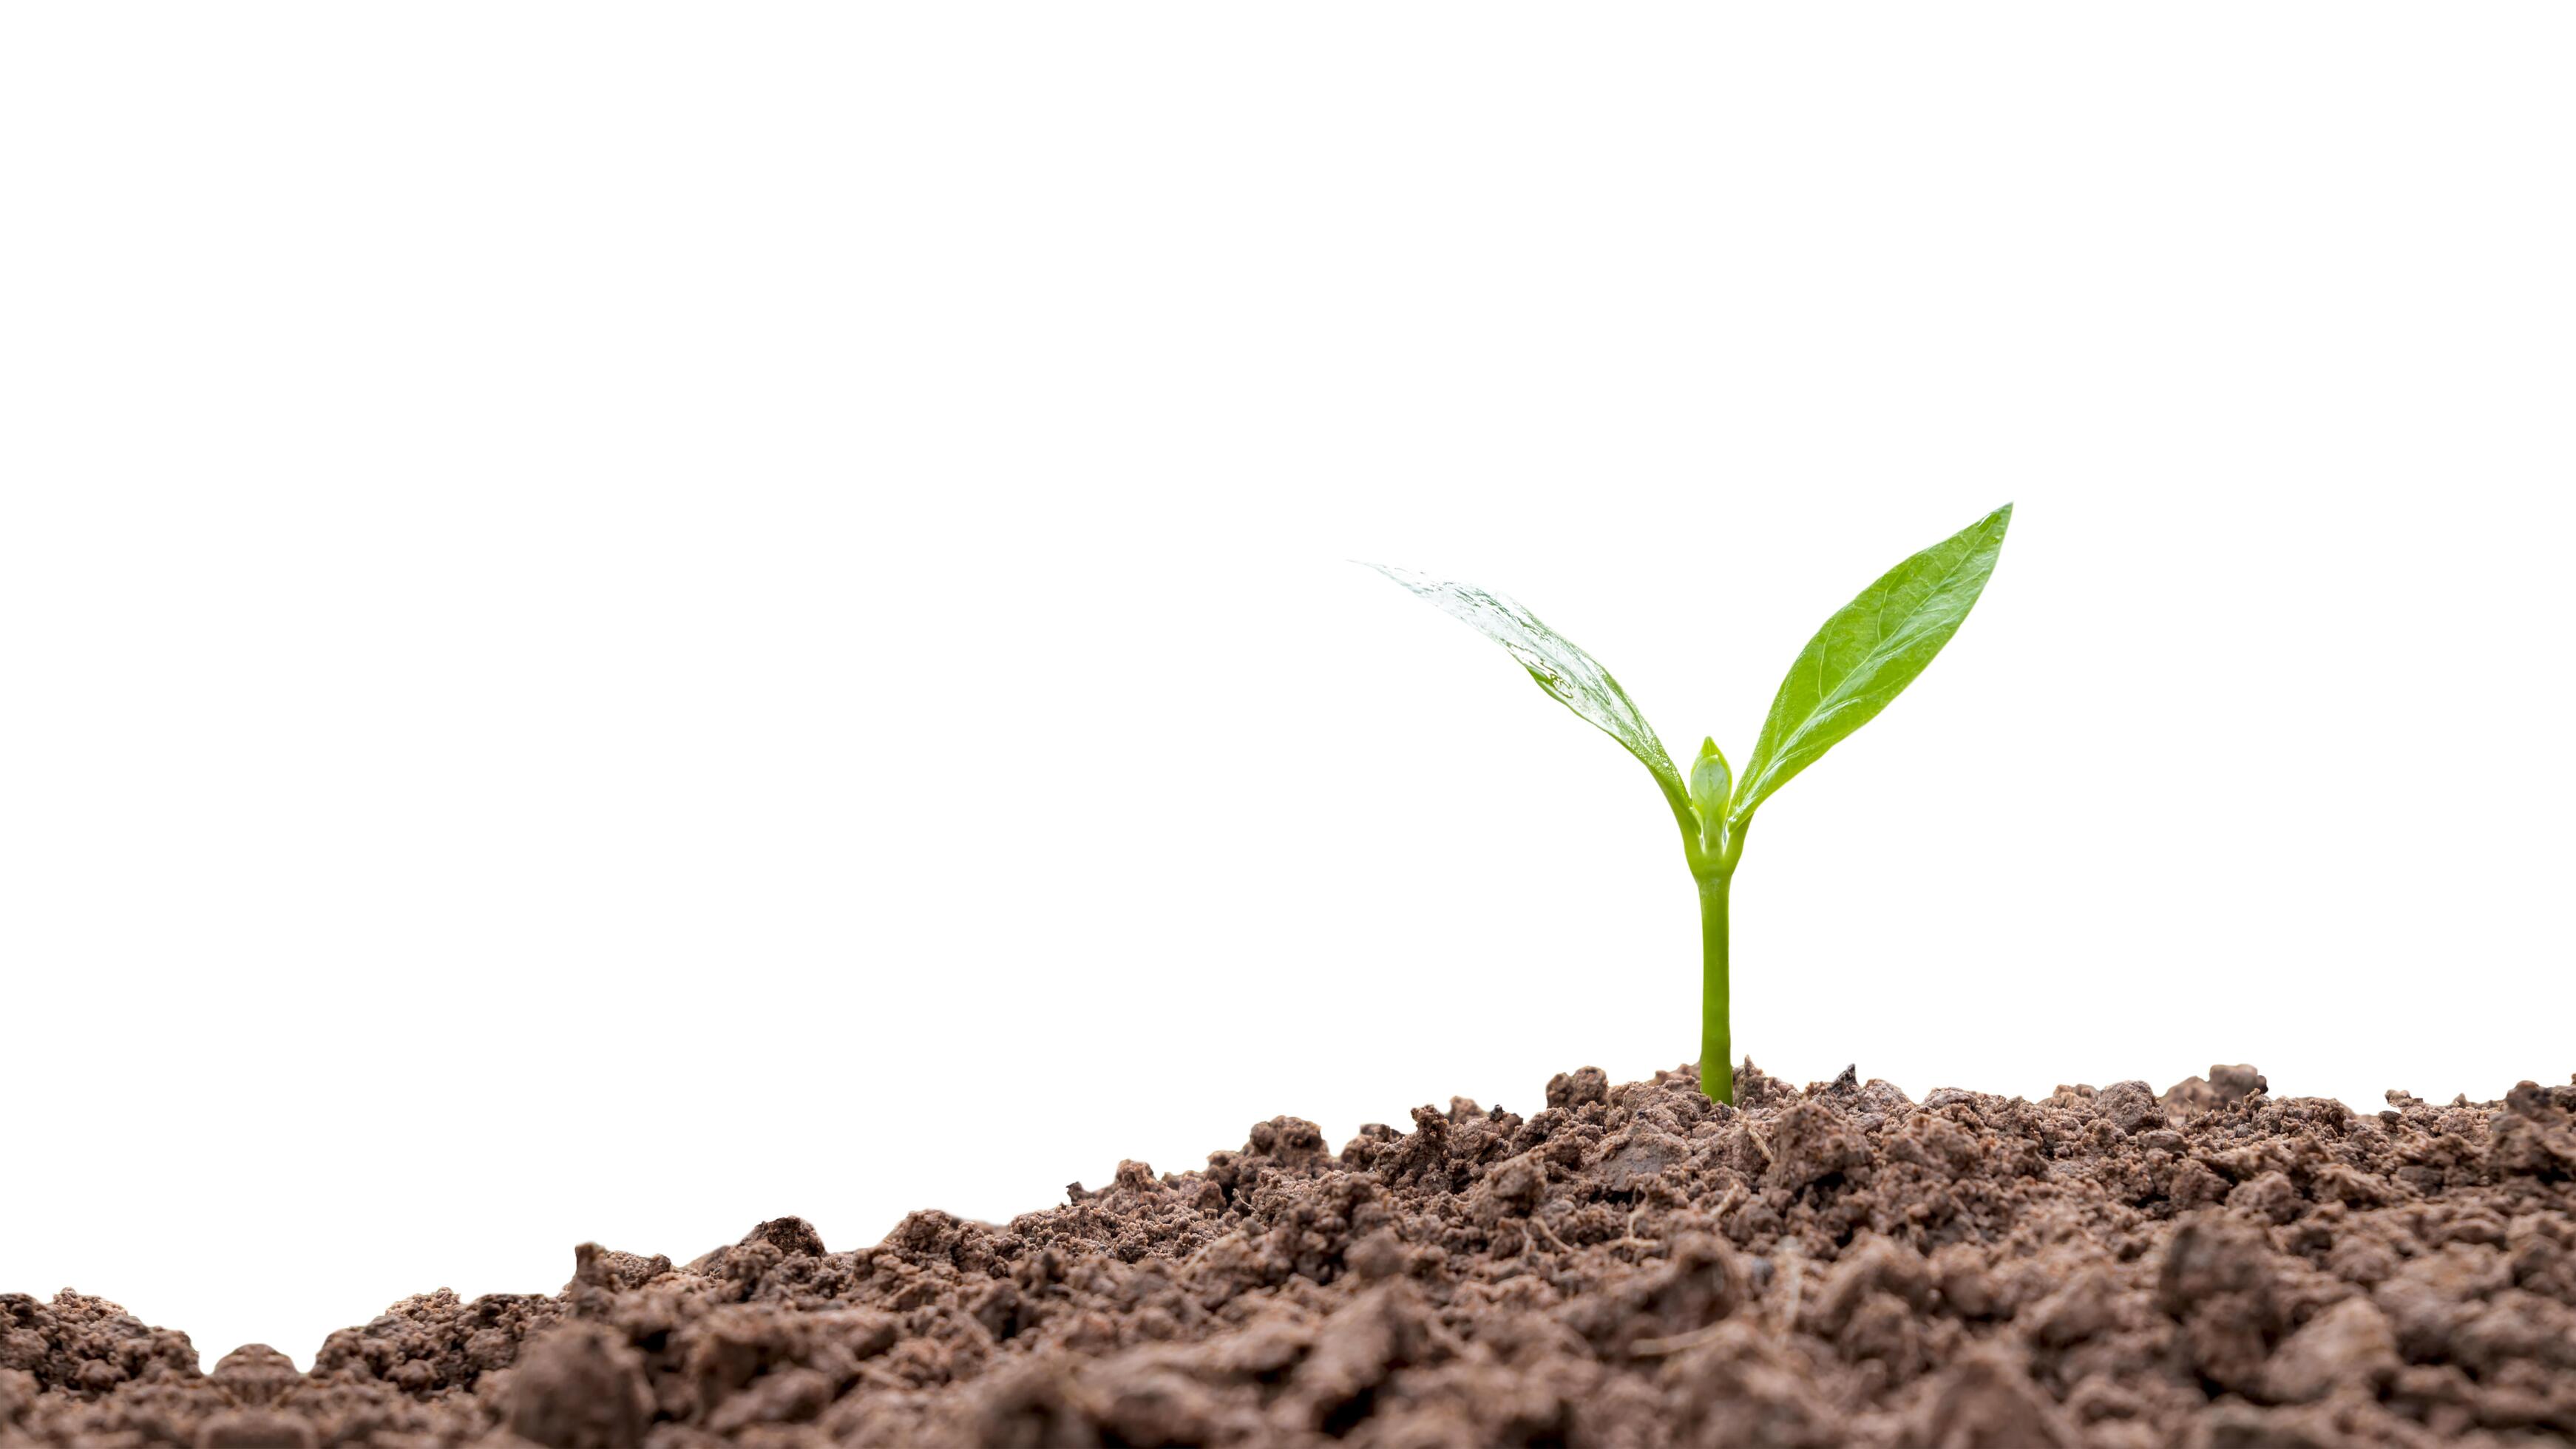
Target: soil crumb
[{"x": 1627, "y": 1267}]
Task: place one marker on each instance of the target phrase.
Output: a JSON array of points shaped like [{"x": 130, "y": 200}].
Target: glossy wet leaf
[
  {"x": 1867, "y": 653},
  {"x": 1570, "y": 676}
]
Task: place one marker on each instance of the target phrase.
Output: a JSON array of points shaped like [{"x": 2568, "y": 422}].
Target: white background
[{"x": 615, "y": 622}]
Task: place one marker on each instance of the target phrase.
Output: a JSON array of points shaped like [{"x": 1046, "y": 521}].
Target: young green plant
[{"x": 1863, "y": 657}]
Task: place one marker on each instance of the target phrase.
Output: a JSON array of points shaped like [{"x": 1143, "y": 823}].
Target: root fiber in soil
[{"x": 1627, "y": 1267}]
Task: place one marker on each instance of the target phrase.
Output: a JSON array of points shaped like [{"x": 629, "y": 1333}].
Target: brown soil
[{"x": 1628, "y": 1267}]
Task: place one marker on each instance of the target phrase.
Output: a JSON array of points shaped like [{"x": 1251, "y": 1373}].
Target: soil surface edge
[{"x": 1627, "y": 1267}]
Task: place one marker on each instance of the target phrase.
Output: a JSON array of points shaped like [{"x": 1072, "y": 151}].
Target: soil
[{"x": 1628, "y": 1267}]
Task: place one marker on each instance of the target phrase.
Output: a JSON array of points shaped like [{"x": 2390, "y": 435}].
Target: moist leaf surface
[
  {"x": 1867, "y": 653},
  {"x": 1559, "y": 666}
]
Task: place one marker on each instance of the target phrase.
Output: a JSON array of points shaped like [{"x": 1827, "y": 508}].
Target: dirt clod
[
  {"x": 579, "y": 1386},
  {"x": 1630, "y": 1267}
]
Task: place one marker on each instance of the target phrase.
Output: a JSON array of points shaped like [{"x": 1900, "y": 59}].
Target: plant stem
[{"x": 1716, "y": 1047}]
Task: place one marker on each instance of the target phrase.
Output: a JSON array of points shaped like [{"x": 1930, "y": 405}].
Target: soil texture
[{"x": 1628, "y": 1267}]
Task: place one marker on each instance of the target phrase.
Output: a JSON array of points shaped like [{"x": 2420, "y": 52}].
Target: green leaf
[
  {"x": 1710, "y": 783},
  {"x": 1570, "y": 676},
  {"x": 1867, "y": 653}
]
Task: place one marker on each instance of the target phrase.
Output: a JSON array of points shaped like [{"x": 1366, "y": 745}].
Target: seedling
[{"x": 1863, "y": 657}]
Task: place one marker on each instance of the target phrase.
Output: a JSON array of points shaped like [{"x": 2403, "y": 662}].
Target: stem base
[{"x": 1716, "y": 1043}]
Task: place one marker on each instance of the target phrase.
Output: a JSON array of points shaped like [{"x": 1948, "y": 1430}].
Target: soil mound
[{"x": 1627, "y": 1267}]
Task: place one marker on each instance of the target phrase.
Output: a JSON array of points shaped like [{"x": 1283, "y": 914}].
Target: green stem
[{"x": 1716, "y": 1046}]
